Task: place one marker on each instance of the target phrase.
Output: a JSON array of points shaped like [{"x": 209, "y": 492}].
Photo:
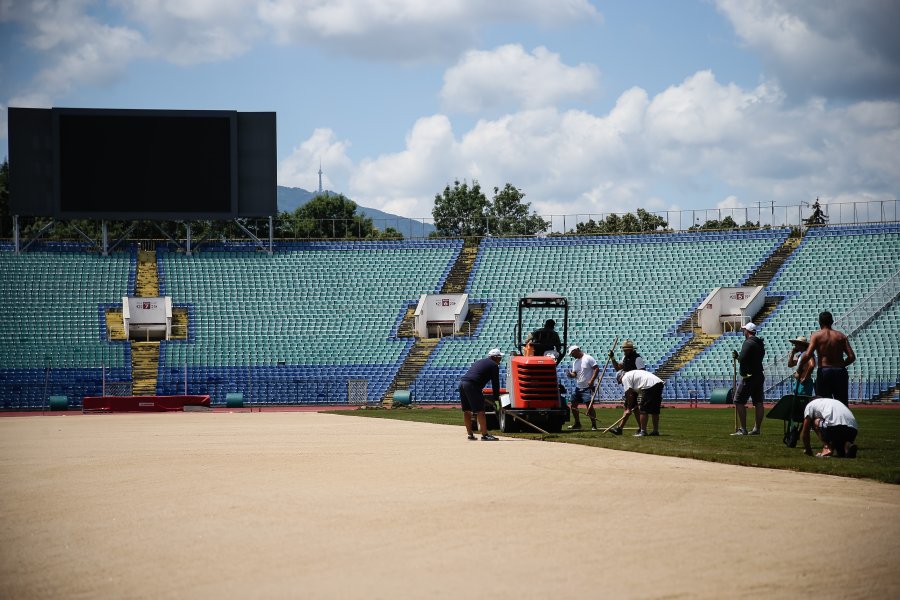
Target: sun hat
[
  {"x": 628, "y": 344},
  {"x": 800, "y": 341}
]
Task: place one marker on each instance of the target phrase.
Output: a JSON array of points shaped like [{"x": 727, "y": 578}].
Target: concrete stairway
[
  {"x": 145, "y": 355},
  {"x": 147, "y": 276},
  {"x": 115, "y": 325},
  {"x": 144, "y": 368},
  {"x": 459, "y": 275},
  {"x": 418, "y": 355},
  {"x": 699, "y": 341}
]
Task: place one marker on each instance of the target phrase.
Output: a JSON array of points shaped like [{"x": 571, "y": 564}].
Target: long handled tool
[
  {"x": 734, "y": 391},
  {"x": 616, "y": 424},
  {"x": 602, "y": 373},
  {"x": 527, "y": 422}
]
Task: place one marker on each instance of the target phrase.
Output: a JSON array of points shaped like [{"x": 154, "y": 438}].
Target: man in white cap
[
  {"x": 584, "y": 370},
  {"x": 751, "y": 384},
  {"x": 470, "y": 391}
]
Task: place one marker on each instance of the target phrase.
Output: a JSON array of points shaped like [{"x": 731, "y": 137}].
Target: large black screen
[
  {"x": 125, "y": 164},
  {"x": 131, "y": 162}
]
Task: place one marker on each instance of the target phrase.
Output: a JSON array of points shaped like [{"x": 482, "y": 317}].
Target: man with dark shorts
[
  {"x": 647, "y": 389},
  {"x": 751, "y": 385},
  {"x": 835, "y": 425},
  {"x": 831, "y": 346},
  {"x": 545, "y": 339},
  {"x": 471, "y": 396}
]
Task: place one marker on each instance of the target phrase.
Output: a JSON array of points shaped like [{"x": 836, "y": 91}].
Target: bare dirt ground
[{"x": 305, "y": 505}]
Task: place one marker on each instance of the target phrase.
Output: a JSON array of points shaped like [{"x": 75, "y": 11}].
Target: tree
[
  {"x": 650, "y": 222},
  {"x": 625, "y": 223},
  {"x": 508, "y": 214},
  {"x": 329, "y": 216},
  {"x": 460, "y": 211},
  {"x": 726, "y": 223}
]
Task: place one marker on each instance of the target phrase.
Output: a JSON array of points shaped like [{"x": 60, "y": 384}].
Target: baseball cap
[
  {"x": 751, "y": 327},
  {"x": 494, "y": 352},
  {"x": 573, "y": 347},
  {"x": 628, "y": 344}
]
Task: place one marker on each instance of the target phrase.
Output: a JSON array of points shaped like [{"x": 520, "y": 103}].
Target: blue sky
[{"x": 587, "y": 107}]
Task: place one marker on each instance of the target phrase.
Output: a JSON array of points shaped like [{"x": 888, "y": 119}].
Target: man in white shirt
[
  {"x": 584, "y": 370},
  {"x": 835, "y": 425},
  {"x": 648, "y": 388}
]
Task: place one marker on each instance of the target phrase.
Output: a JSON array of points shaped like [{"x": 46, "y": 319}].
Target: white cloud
[
  {"x": 691, "y": 141},
  {"x": 76, "y": 48},
  {"x": 828, "y": 47},
  {"x": 195, "y": 31},
  {"x": 508, "y": 76},
  {"x": 300, "y": 169},
  {"x": 411, "y": 30}
]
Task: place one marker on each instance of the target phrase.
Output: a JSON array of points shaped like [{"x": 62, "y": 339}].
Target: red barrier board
[{"x": 142, "y": 403}]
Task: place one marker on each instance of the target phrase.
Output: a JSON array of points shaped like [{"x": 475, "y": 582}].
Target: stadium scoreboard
[{"x": 122, "y": 164}]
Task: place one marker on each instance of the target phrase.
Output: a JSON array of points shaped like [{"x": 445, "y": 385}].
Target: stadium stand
[
  {"x": 833, "y": 269},
  {"x": 307, "y": 323},
  {"x": 52, "y": 323},
  {"x": 301, "y": 323},
  {"x": 631, "y": 286}
]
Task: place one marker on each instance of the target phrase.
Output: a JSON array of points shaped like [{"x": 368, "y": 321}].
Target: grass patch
[{"x": 703, "y": 434}]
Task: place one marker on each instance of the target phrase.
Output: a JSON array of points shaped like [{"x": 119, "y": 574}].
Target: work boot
[
  {"x": 575, "y": 427},
  {"x": 616, "y": 431},
  {"x": 471, "y": 436},
  {"x": 488, "y": 438}
]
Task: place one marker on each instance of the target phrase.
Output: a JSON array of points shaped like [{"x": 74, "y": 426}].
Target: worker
[
  {"x": 751, "y": 385},
  {"x": 470, "y": 391},
  {"x": 545, "y": 339},
  {"x": 584, "y": 370},
  {"x": 835, "y": 425},
  {"x": 631, "y": 361},
  {"x": 832, "y": 348},
  {"x": 803, "y": 381},
  {"x": 648, "y": 389}
]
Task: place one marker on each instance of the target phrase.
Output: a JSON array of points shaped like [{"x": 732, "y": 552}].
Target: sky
[{"x": 586, "y": 107}]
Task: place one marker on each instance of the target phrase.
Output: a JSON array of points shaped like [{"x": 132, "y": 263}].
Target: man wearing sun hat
[
  {"x": 803, "y": 381},
  {"x": 631, "y": 361},
  {"x": 471, "y": 396},
  {"x": 751, "y": 385}
]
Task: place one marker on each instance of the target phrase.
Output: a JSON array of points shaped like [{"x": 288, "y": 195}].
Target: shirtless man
[{"x": 830, "y": 346}]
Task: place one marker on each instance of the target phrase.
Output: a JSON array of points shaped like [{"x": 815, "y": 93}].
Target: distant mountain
[{"x": 290, "y": 199}]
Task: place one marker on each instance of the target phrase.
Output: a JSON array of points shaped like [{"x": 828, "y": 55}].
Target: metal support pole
[
  {"x": 188, "y": 240},
  {"x": 104, "y": 232}
]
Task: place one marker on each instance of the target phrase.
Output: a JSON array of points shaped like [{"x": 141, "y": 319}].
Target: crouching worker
[
  {"x": 470, "y": 391},
  {"x": 631, "y": 407},
  {"x": 835, "y": 426},
  {"x": 649, "y": 389}
]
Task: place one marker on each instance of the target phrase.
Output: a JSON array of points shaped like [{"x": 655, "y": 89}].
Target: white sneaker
[{"x": 740, "y": 432}]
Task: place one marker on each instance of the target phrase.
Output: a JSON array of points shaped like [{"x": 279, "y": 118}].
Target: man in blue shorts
[{"x": 470, "y": 391}]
